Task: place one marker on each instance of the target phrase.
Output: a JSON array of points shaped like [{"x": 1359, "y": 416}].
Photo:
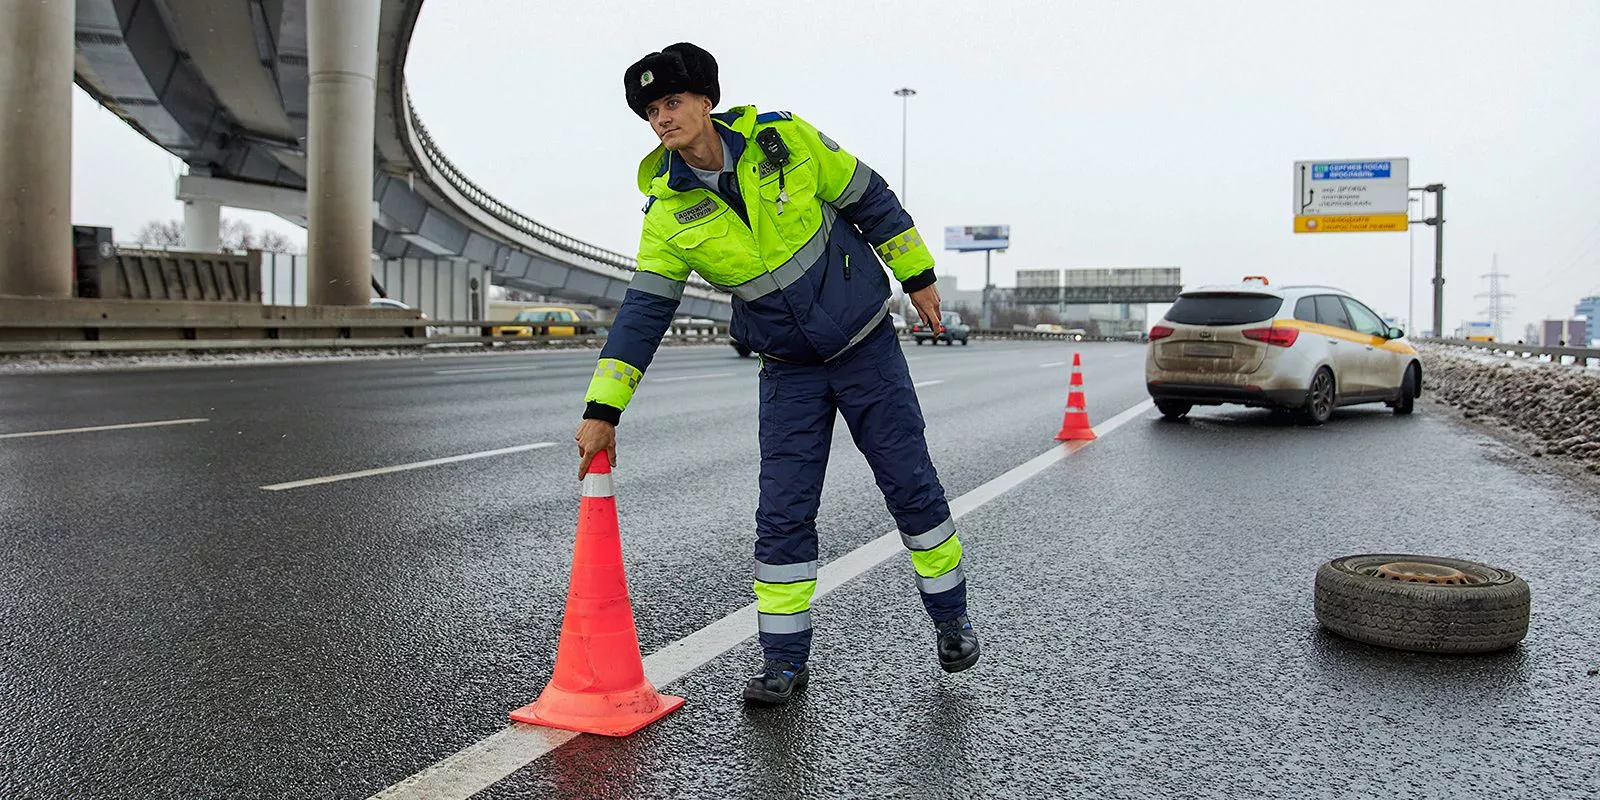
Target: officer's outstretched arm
[
  {"x": 864, "y": 198},
  {"x": 644, "y": 317}
]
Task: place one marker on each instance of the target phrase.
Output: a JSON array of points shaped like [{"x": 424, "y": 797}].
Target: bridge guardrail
[
  {"x": 510, "y": 216},
  {"x": 122, "y": 336},
  {"x": 1580, "y": 356}
]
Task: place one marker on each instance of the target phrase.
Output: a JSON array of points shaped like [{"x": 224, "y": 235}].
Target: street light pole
[{"x": 905, "y": 95}]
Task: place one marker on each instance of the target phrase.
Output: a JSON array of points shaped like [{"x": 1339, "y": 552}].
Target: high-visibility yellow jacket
[{"x": 798, "y": 247}]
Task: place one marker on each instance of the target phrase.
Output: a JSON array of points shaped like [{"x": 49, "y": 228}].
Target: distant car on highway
[
  {"x": 1307, "y": 349},
  {"x": 1075, "y": 334},
  {"x": 951, "y": 329},
  {"x": 551, "y": 321},
  {"x": 389, "y": 302}
]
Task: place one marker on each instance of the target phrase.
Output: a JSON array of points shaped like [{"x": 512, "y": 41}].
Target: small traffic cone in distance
[
  {"x": 599, "y": 684},
  {"x": 1075, "y": 424}
]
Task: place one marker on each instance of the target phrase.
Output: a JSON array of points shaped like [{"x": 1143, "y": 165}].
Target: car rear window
[{"x": 1223, "y": 309}]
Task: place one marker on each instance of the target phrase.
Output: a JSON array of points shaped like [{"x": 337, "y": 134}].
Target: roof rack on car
[{"x": 1314, "y": 286}]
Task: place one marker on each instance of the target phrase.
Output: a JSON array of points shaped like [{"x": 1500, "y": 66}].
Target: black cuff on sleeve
[
  {"x": 602, "y": 412},
  {"x": 921, "y": 280}
]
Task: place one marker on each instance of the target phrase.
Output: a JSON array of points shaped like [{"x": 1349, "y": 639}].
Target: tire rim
[
  {"x": 1417, "y": 572},
  {"x": 1322, "y": 395},
  {"x": 1423, "y": 569}
]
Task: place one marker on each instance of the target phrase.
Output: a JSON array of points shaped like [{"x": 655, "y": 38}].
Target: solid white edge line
[
  {"x": 676, "y": 378},
  {"x": 495, "y": 757},
  {"x": 926, "y": 383},
  {"x": 1053, "y": 364},
  {"x": 367, "y": 473},
  {"x": 468, "y": 370},
  {"x": 124, "y": 427}
]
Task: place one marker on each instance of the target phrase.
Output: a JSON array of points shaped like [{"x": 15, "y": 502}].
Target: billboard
[
  {"x": 977, "y": 237},
  {"x": 1352, "y": 196},
  {"x": 1099, "y": 285},
  {"x": 1030, "y": 278}
]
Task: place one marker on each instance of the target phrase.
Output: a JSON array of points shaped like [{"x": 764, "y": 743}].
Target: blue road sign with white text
[{"x": 1351, "y": 170}]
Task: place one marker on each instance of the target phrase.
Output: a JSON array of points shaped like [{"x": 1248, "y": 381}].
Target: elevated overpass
[{"x": 226, "y": 87}]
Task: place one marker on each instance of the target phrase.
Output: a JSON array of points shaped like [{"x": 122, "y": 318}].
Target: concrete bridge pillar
[
  {"x": 36, "y": 42},
  {"x": 342, "y": 39},
  {"x": 202, "y": 225}
]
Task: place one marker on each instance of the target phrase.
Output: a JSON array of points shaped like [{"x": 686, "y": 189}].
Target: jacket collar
[{"x": 662, "y": 173}]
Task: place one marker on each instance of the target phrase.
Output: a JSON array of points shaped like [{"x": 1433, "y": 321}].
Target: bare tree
[
  {"x": 234, "y": 234},
  {"x": 161, "y": 234},
  {"x": 276, "y": 242}
]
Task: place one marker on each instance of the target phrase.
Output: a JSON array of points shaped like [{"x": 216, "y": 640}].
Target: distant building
[
  {"x": 1564, "y": 333},
  {"x": 1589, "y": 309}
]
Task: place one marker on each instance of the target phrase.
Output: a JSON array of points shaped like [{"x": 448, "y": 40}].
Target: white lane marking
[
  {"x": 484, "y": 369},
  {"x": 926, "y": 383},
  {"x": 128, "y": 426},
  {"x": 497, "y": 756},
  {"x": 367, "y": 473},
  {"x": 676, "y": 378},
  {"x": 1053, "y": 364}
]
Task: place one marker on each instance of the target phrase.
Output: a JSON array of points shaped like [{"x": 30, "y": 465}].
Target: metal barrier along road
[
  {"x": 39, "y": 337},
  {"x": 1579, "y": 355}
]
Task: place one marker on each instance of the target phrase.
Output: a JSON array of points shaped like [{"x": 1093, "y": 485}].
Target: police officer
[{"x": 771, "y": 210}]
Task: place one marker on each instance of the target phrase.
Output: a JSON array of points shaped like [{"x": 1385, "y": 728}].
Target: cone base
[
  {"x": 1075, "y": 426},
  {"x": 614, "y": 714}
]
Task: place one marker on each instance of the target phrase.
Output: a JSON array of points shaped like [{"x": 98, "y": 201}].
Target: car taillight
[
  {"x": 941, "y": 329},
  {"x": 1281, "y": 337},
  {"x": 1160, "y": 332}
]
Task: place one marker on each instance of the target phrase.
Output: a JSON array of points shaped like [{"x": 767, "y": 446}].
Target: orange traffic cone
[
  {"x": 1075, "y": 425},
  {"x": 599, "y": 684}
]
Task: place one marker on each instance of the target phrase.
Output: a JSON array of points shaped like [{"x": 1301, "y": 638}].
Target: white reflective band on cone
[{"x": 597, "y": 484}]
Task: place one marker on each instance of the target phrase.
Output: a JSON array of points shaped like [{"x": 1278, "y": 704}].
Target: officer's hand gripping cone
[
  {"x": 1075, "y": 425},
  {"x": 599, "y": 684}
]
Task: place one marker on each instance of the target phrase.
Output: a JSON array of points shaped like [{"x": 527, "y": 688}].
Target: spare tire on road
[{"x": 1423, "y": 603}]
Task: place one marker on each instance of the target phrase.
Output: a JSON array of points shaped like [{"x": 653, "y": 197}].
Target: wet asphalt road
[{"x": 170, "y": 629}]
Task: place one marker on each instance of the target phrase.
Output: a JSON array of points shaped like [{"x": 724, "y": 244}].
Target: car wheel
[
  {"x": 963, "y": 341},
  {"x": 1319, "y": 398},
  {"x": 1422, "y": 603},
  {"x": 1408, "y": 392},
  {"x": 1173, "y": 409}
]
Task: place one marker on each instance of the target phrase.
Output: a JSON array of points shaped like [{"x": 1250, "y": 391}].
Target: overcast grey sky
[{"x": 1105, "y": 133}]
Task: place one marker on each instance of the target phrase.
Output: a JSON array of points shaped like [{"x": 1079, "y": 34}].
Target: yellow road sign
[{"x": 1350, "y": 223}]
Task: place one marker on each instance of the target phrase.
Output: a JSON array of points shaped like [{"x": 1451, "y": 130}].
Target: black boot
[
  {"x": 958, "y": 644},
  {"x": 776, "y": 683}
]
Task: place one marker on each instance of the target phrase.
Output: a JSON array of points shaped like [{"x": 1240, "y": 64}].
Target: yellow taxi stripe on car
[{"x": 1392, "y": 345}]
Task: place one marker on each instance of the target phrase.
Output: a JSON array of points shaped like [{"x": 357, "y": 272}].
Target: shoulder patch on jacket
[
  {"x": 773, "y": 116},
  {"x": 828, "y": 143},
  {"x": 699, "y": 210}
]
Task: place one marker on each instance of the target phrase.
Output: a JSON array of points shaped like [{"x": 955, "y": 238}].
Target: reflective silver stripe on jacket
[
  {"x": 658, "y": 285},
  {"x": 812, "y": 253},
  {"x": 858, "y": 185},
  {"x": 866, "y": 330}
]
